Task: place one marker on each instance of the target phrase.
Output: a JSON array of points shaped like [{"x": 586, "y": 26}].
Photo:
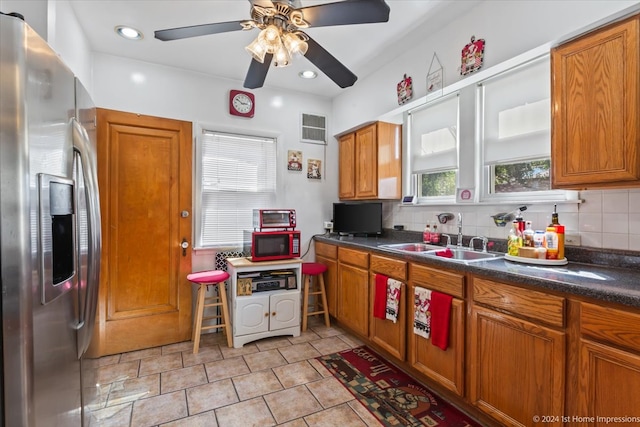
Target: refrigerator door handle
[{"x": 82, "y": 146}]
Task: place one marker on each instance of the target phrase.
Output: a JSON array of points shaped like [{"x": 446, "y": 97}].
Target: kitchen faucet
[{"x": 459, "y": 242}]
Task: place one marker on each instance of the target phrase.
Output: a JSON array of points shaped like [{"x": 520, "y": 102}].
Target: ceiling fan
[{"x": 280, "y": 37}]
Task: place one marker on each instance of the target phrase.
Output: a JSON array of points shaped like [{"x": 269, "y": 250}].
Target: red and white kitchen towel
[
  {"x": 386, "y": 301},
  {"x": 431, "y": 316}
]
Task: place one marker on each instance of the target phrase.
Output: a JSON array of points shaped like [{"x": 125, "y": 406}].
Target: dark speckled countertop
[{"x": 589, "y": 273}]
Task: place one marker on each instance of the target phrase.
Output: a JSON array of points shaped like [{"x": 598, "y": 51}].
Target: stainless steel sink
[
  {"x": 464, "y": 255},
  {"x": 412, "y": 247}
]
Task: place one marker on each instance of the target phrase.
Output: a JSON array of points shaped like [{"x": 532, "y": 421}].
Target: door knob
[{"x": 184, "y": 245}]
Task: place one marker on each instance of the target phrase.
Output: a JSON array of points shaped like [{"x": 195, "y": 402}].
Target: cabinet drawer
[
  {"x": 353, "y": 257},
  {"x": 393, "y": 268},
  {"x": 523, "y": 302},
  {"x": 611, "y": 325},
  {"x": 437, "y": 280},
  {"x": 326, "y": 250}
]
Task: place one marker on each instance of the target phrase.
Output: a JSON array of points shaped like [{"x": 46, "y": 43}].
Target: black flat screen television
[{"x": 357, "y": 218}]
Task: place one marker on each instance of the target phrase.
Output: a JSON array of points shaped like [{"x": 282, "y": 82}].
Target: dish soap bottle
[
  {"x": 426, "y": 235},
  {"x": 513, "y": 242},
  {"x": 555, "y": 223}
]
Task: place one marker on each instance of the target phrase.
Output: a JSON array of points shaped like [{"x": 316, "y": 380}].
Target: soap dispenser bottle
[{"x": 426, "y": 235}]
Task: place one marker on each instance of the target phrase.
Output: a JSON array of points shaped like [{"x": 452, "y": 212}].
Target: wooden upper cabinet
[
  {"x": 371, "y": 162},
  {"x": 346, "y": 168},
  {"x": 595, "y": 140}
]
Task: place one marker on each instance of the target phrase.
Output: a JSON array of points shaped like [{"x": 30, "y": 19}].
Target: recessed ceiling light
[
  {"x": 308, "y": 74},
  {"x": 128, "y": 32}
]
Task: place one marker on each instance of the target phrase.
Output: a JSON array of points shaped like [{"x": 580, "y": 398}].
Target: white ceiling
[{"x": 362, "y": 48}]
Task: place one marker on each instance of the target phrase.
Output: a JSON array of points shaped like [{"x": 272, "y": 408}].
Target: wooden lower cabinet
[
  {"x": 517, "y": 368},
  {"x": 445, "y": 367},
  {"x": 353, "y": 290},
  {"x": 609, "y": 367},
  {"x": 330, "y": 283},
  {"x": 609, "y": 383},
  {"x": 389, "y": 335}
]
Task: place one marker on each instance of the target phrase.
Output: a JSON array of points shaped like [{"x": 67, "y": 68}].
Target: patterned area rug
[{"x": 392, "y": 396}]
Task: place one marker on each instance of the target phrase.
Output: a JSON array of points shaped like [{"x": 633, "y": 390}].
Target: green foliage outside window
[
  {"x": 438, "y": 184},
  {"x": 526, "y": 176}
]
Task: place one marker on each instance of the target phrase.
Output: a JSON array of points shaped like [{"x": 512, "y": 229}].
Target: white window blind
[
  {"x": 237, "y": 174},
  {"x": 434, "y": 136},
  {"x": 517, "y": 114}
]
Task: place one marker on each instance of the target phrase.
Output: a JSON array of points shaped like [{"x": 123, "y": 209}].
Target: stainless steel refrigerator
[{"x": 50, "y": 234}]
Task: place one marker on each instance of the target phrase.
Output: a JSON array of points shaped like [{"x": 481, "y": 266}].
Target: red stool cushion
[
  {"x": 211, "y": 276},
  {"x": 313, "y": 268}
]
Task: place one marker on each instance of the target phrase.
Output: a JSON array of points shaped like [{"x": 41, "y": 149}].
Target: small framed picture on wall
[
  {"x": 294, "y": 160},
  {"x": 314, "y": 169}
]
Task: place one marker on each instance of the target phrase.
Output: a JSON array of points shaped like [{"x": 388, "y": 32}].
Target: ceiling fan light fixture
[
  {"x": 295, "y": 44},
  {"x": 257, "y": 49},
  {"x": 282, "y": 58}
]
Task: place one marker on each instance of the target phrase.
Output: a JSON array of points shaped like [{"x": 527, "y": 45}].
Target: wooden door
[
  {"x": 144, "y": 176},
  {"x": 517, "y": 368},
  {"x": 366, "y": 160},
  {"x": 346, "y": 167}
]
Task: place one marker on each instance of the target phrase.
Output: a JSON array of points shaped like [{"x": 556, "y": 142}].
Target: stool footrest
[{"x": 204, "y": 328}]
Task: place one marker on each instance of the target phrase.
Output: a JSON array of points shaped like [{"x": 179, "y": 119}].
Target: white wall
[
  {"x": 606, "y": 219},
  {"x": 139, "y": 87}
]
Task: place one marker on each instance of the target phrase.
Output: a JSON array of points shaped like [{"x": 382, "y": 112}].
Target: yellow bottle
[{"x": 552, "y": 243}]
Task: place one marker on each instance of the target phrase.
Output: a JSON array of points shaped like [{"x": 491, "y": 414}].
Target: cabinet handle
[
  {"x": 273, "y": 314},
  {"x": 266, "y": 315}
]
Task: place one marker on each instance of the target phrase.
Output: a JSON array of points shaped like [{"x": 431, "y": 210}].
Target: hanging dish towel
[
  {"x": 422, "y": 312},
  {"x": 380, "y": 297},
  {"x": 440, "y": 314},
  {"x": 393, "y": 299}
]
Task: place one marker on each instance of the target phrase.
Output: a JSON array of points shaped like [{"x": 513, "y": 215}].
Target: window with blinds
[
  {"x": 234, "y": 175},
  {"x": 434, "y": 147},
  {"x": 516, "y": 129}
]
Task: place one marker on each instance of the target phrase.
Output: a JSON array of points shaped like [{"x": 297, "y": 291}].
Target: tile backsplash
[{"x": 605, "y": 219}]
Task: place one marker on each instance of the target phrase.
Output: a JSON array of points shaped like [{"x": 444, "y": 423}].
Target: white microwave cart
[{"x": 257, "y": 315}]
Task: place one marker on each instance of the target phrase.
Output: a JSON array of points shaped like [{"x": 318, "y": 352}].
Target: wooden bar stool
[
  {"x": 309, "y": 270},
  {"x": 203, "y": 279}
]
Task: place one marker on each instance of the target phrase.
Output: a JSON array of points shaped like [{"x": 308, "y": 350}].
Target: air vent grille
[{"x": 314, "y": 128}]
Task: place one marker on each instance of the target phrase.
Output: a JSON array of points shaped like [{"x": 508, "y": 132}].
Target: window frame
[{"x": 198, "y": 231}]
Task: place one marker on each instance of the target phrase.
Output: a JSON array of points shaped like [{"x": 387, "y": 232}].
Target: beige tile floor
[{"x": 274, "y": 381}]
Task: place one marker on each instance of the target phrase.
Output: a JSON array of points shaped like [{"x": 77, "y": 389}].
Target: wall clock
[{"x": 241, "y": 103}]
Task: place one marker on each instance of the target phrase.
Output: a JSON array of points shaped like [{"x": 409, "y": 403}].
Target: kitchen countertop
[{"x": 613, "y": 284}]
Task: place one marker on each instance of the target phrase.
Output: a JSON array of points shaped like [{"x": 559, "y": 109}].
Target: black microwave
[{"x": 272, "y": 245}]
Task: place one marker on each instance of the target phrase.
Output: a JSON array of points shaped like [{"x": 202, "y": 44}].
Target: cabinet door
[
  {"x": 366, "y": 160},
  {"x": 389, "y": 161},
  {"x": 609, "y": 381},
  {"x": 444, "y": 366},
  {"x": 251, "y": 315},
  {"x": 347, "y": 167},
  {"x": 285, "y": 310},
  {"x": 353, "y": 298},
  {"x": 516, "y": 368},
  {"x": 595, "y": 109},
  {"x": 330, "y": 283}
]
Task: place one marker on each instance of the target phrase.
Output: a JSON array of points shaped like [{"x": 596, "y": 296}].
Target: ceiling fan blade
[
  {"x": 197, "y": 30},
  {"x": 346, "y": 12},
  {"x": 257, "y": 72},
  {"x": 329, "y": 65}
]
